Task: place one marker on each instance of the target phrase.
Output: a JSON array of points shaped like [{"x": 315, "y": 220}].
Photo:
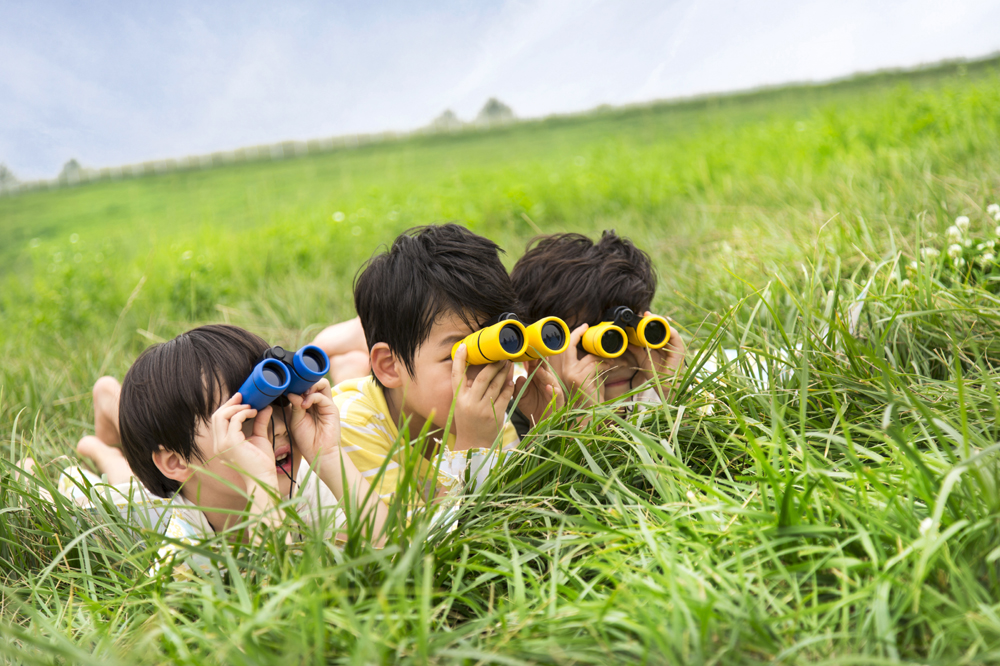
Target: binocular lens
[
  {"x": 511, "y": 339},
  {"x": 655, "y": 332},
  {"x": 552, "y": 336},
  {"x": 273, "y": 374},
  {"x": 612, "y": 341},
  {"x": 311, "y": 360}
]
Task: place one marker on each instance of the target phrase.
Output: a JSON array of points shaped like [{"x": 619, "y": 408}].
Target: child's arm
[
  {"x": 316, "y": 428},
  {"x": 345, "y": 344}
]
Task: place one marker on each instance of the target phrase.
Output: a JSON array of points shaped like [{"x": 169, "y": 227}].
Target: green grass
[{"x": 846, "y": 512}]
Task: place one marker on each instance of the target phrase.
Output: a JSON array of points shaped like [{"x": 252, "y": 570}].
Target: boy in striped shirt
[{"x": 434, "y": 286}]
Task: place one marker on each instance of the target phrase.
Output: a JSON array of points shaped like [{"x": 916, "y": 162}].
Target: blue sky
[{"x": 111, "y": 83}]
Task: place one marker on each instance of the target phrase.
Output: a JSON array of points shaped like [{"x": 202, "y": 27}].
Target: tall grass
[{"x": 829, "y": 495}]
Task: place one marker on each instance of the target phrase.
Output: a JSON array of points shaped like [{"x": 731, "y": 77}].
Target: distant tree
[
  {"x": 446, "y": 122},
  {"x": 71, "y": 171},
  {"x": 8, "y": 180},
  {"x": 495, "y": 112}
]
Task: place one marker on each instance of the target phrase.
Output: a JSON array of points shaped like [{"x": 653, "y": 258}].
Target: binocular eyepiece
[
  {"x": 621, "y": 327},
  {"x": 282, "y": 372}
]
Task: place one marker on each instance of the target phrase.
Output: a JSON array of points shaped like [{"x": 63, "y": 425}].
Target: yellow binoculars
[
  {"x": 620, "y": 327},
  {"x": 504, "y": 341},
  {"x": 546, "y": 337}
]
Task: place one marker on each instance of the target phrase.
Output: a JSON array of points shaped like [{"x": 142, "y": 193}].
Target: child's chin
[{"x": 616, "y": 389}]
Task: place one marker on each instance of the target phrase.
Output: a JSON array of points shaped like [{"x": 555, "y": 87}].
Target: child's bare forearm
[
  {"x": 336, "y": 467},
  {"x": 262, "y": 494}
]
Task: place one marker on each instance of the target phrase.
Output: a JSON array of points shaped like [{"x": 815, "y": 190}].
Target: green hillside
[{"x": 847, "y": 510}]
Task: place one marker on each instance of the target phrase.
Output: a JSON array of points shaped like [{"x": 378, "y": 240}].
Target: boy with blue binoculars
[{"x": 194, "y": 422}]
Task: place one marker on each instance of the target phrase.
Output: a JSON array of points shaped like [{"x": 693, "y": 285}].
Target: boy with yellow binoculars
[
  {"x": 589, "y": 304},
  {"x": 603, "y": 292},
  {"x": 421, "y": 304}
]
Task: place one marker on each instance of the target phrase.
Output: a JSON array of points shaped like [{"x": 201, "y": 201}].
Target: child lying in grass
[
  {"x": 433, "y": 287},
  {"x": 571, "y": 277},
  {"x": 186, "y": 436}
]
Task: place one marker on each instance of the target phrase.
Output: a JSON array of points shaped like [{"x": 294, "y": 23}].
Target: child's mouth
[{"x": 283, "y": 460}]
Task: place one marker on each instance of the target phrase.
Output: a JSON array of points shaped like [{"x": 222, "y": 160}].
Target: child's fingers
[
  {"x": 222, "y": 418},
  {"x": 577, "y": 334},
  {"x": 227, "y": 410},
  {"x": 261, "y": 422},
  {"x": 507, "y": 391},
  {"x": 323, "y": 386},
  {"x": 321, "y": 400},
  {"x": 490, "y": 381},
  {"x": 458, "y": 366},
  {"x": 235, "y": 431}
]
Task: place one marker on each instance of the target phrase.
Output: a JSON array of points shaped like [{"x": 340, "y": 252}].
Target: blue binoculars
[{"x": 281, "y": 372}]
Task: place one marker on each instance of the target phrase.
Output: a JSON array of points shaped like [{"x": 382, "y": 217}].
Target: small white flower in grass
[
  {"x": 990, "y": 244},
  {"x": 914, "y": 266},
  {"x": 955, "y": 251},
  {"x": 954, "y": 234},
  {"x": 925, "y": 526},
  {"x": 997, "y": 231},
  {"x": 959, "y": 262},
  {"x": 905, "y": 284},
  {"x": 986, "y": 259},
  {"x": 994, "y": 210},
  {"x": 967, "y": 242},
  {"x": 930, "y": 253},
  {"x": 707, "y": 410},
  {"x": 981, "y": 247},
  {"x": 962, "y": 222},
  {"x": 690, "y": 495}
]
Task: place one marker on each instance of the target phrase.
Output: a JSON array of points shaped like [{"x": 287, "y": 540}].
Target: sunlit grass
[{"x": 843, "y": 510}]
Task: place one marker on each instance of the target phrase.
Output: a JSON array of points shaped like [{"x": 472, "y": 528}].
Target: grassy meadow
[{"x": 844, "y": 510}]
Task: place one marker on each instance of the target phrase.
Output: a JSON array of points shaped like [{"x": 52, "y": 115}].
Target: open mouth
[{"x": 283, "y": 460}]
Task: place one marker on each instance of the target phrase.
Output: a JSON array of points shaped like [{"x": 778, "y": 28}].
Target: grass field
[{"x": 845, "y": 511}]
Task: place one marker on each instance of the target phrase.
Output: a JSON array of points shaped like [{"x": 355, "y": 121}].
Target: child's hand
[
  {"x": 315, "y": 421},
  {"x": 481, "y": 403},
  {"x": 665, "y": 362},
  {"x": 541, "y": 392},
  {"x": 578, "y": 370},
  {"x": 251, "y": 456}
]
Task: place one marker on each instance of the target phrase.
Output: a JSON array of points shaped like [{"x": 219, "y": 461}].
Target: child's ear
[
  {"x": 386, "y": 367},
  {"x": 172, "y": 465}
]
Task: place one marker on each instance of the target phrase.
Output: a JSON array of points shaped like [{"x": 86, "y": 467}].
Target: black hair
[
  {"x": 175, "y": 385},
  {"x": 571, "y": 277},
  {"x": 429, "y": 271}
]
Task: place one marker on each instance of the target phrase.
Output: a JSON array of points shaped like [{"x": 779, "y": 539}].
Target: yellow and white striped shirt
[{"x": 368, "y": 435}]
